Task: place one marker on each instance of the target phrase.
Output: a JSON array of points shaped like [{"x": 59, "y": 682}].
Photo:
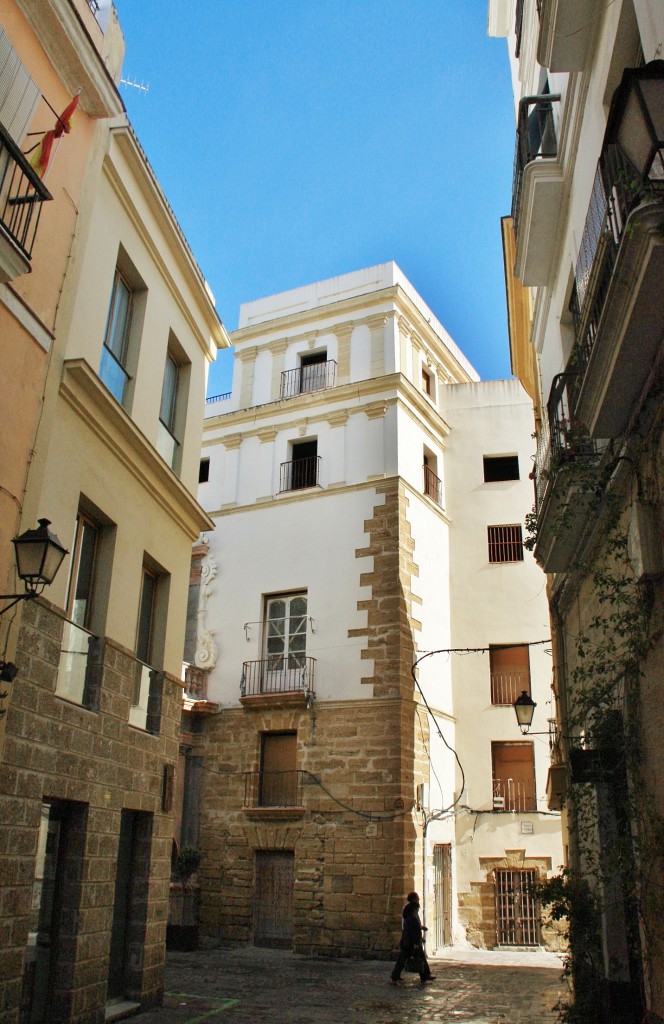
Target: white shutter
[{"x": 19, "y": 96}]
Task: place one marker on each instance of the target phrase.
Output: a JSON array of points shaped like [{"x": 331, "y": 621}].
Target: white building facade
[{"x": 367, "y": 492}]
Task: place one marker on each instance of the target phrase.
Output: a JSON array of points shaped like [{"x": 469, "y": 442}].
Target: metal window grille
[
  {"x": 505, "y": 543},
  {"x": 433, "y": 487},
  {"x": 517, "y": 916}
]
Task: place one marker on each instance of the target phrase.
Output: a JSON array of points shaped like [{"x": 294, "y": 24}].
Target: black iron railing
[
  {"x": 218, "y": 398},
  {"x": 535, "y": 140},
  {"x": 22, "y": 193},
  {"x": 433, "y": 487},
  {"x": 299, "y": 473},
  {"x": 274, "y": 789},
  {"x": 289, "y": 673},
  {"x": 562, "y": 438},
  {"x": 312, "y": 377},
  {"x": 617, "y": 190}
]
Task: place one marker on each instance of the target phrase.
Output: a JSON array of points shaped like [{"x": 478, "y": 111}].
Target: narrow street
[{"x": 268, "y": 986}]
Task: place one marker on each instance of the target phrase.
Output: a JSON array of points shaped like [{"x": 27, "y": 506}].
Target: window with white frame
[
  {"x": 286, "y": 631},
  {"x": 113, "y": 368}
]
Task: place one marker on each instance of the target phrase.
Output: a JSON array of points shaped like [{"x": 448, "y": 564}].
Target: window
[
  {"x": 500, "y": 467},
  {"x": 313, "y": 371},
  {"x": 167, "y": 443},
  {"x": 505, "y": 543},
  {"x": 150, "y": 639},
  {"x": 144, "y": 636},
  {"x": 513, "y": 777},
  {"x": 278, "y": 781},
  {"x": 87, "y": 599},
  {"x": 82, "y": 574},
  {"x": 426, "y": 382},
  {"x": 302, "y": 470},
  {"x": 517, "y": 917},
  {"x": 286, "y": 632},
  {"x": 510, "y": 672},
  {"x": 113, "y": 368},
  {"x": 204, "y": 471},
  {"x": 432, "y": 485}
]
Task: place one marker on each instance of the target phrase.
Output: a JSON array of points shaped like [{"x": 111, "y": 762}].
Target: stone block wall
[
  {"x": 477, "y": 908},
  {"x": 354, "y": 841},
  {"x": 95, "y": 765}
]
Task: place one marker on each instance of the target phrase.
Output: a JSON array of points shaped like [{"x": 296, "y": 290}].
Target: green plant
[
  {"x": 570, "y": 898},
  {"x": 188, "y": 862}
]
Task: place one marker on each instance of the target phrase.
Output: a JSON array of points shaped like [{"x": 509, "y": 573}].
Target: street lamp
[
  {"x": 636, "y": 119},
  {"x": 524, "y": 709},
  {"x": 39, "y": 555}
]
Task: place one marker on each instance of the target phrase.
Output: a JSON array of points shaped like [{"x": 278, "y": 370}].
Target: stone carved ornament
[{"x": 207, "y": 651}]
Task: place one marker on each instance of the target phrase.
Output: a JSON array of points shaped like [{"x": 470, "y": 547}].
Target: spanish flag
[{"x": 42, "y": 154}]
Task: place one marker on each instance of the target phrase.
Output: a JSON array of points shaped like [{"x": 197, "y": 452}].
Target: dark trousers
[{"x": 422, "y": 963}]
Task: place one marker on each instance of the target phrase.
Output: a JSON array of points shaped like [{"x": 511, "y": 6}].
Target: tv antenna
[{"x": 135, "y": 85}]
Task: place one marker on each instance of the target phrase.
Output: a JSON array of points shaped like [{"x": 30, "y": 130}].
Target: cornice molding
[
  {"x": 75, "y": 58},
  {"x": 208, "y": 322},
  {"x": 83, "y": 391}
]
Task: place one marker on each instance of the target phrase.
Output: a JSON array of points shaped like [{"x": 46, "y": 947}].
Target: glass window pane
[
  {"x": 144, "y": 638},
  {"x": 82, "y": 585},
  {"x": 169, "y": 393},
  {"x": 118, "y": 320}
]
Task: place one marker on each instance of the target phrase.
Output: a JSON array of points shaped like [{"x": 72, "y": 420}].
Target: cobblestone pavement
[{"x": 267, "y": 986}]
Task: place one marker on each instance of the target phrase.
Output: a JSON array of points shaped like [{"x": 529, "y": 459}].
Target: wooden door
[{"x": 273, "y": 898}]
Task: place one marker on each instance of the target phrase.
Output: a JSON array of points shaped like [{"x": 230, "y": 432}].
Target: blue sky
[{"x": 301, "y": 139}]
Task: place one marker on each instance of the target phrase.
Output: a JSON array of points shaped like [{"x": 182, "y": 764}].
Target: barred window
[{"x": 505, "y": 543}]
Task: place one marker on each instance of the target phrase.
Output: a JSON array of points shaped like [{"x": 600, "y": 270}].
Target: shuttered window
[{"x": 505, "y": 543}]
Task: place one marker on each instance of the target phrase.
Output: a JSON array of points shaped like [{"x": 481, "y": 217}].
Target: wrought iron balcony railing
[
  {"x": 535, "y": 140},
  {"x": 273, "y": 789},
  {"x": 514, "y": 795},
  {"x": 291, "y": 673},
  {"x": 312, "y": 377},
  {"x": 22, "y": 193},
  {"x": 617, "y": 190},
  {"x": 299, "y": 473},
  {"x": 433, "y": 487},
  {"x": 562, "y": 438},
  {"x": 218, "y": 398}
]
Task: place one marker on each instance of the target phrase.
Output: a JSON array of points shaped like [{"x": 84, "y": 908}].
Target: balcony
[
  {"x": 433, "y": 487},
  {"x": 537, "y": 187},
  {"x": 616, "y": 301},
  {"x": 565, "y": 30},
  {"x": 299, "y": 473},
  {"x": 565, "y": 477},
  {"x": 556, "y": 783},
  {"x": 21, "y": 196},
  {"x": 79, "y": 671},
  {"x": 514, "y": 795},
  {"x": 311, "y": 377},
  {"x": 287, "y": 680}
]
